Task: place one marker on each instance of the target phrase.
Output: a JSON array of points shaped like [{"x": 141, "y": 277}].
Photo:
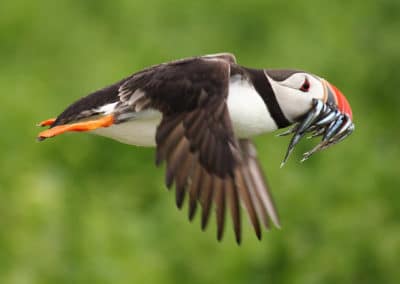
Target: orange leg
[
  {"x": 47, "y": 122},
  {"x": 104, "y": 121}
]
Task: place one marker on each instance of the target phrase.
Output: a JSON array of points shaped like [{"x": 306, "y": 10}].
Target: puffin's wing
[{"x": 195, "y": 138}]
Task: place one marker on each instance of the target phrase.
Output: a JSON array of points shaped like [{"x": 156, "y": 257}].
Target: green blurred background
[{"x": 85, "y": 209}]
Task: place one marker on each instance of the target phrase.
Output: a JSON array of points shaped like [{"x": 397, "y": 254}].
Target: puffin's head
[
  {"x": 295, "y": 90},
  {"x": 314, "y": 105}
]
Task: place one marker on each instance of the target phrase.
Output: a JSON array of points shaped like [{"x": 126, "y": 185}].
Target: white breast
[{"x": 249, "y": 114}]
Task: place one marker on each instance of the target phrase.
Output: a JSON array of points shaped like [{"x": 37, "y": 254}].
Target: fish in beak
[{"x": 330, "y": 118}]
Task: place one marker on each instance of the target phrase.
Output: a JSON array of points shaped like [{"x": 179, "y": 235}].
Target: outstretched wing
[{"x": 195, "y": 138}]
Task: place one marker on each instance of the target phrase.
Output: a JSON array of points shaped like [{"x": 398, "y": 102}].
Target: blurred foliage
[{"x": 85, "y": 209}]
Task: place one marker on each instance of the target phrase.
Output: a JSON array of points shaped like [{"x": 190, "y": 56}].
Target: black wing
[{"x": 196, "y": 139}]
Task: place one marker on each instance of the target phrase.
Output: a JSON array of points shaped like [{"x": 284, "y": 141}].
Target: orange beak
[{"x": 335, "y": 96}]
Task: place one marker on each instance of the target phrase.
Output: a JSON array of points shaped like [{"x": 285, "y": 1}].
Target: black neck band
[{"x": 263, "y": 87}]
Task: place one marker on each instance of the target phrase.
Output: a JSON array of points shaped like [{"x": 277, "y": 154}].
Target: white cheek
[
  {"x": 295, "y": 103},
  {"x": 292, "y": 102},
  {"x": 316, "y": 90}
]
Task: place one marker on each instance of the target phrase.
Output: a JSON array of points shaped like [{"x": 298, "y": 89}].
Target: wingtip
[
  {"x": 192, "y": 213},
  {"x": 276, "y": 222},
  {"x": 179, "y": 198},
  {"x": 204, "y": 223},
  {"x": 159, "y": 159},
  {"x": 238, "y": 240},
  {"x": 220, "y": 236},
  {"x": 169, "y": 180}
]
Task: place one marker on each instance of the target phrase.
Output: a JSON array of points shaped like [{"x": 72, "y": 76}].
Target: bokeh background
[{"x": 85, "y": 209}]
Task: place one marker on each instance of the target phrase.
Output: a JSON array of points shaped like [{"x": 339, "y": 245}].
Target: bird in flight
[{"x": 201, "y": 113}]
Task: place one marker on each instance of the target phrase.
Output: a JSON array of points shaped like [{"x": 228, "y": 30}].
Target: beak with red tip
[{"x": 334, "y": 96}]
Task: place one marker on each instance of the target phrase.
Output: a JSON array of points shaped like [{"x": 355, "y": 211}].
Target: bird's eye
[{"x": 306, "y": 86}]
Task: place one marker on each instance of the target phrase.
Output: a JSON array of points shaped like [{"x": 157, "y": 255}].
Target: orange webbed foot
[
  {"x": 104, "y": 121},
  {"x": 47, "y": 122}
]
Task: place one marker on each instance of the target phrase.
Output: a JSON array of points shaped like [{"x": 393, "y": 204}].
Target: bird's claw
[{"x": 322, "y": 120}]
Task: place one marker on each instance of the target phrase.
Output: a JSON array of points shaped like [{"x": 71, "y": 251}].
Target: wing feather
[
  {"x": 206, "y": 196},
  {"x": 195, "y": 187},
  {"x": 233, "y": 199},
  {"x": 246, "y": 197},
  {"x": 257, "y": 183},
  {"x": 220, "y": 206}
]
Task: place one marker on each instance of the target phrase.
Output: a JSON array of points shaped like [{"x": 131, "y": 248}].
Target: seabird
[{"x": 201, "y": 113}]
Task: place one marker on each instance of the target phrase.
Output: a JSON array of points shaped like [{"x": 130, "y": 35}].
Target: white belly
[
  {"x": 248, "y": 112},
  {"x": 140, "y": 131}
]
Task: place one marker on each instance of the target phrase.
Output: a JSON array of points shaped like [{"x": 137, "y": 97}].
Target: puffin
[{"x": 200, "y": 113}]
